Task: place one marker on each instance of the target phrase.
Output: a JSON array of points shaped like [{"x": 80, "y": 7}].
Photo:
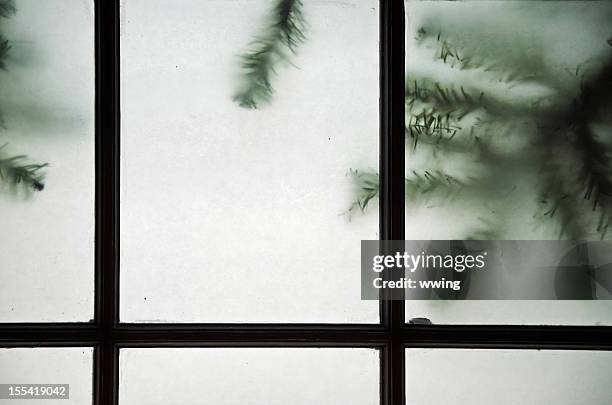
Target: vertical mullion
[
  {"x": 107, "y": 200},
  {"x": 392, "y": 194},
  {"x": 106, "y": 374},
  {"x": 392, "y": 140}
]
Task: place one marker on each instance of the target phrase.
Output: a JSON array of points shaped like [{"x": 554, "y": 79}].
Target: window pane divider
[{"x": 106, "y": 352}]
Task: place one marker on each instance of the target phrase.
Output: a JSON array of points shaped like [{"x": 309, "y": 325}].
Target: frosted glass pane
[
  {"x": 524, "y": 125},
  {"x": 249, "y": 376},
  {"x": 71, "y": 366},
  {"x": 507, "y": 377},
  {"x": 231, "y": 214},
  {"x": 47, "y": 109}
]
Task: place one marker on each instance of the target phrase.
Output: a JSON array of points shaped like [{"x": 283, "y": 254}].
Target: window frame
[{"x": 391, "y": 336}]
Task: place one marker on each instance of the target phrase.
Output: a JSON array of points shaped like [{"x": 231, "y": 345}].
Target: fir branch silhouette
[
  {"x": 367, "y": 184},
  {"x": 576, "y": 192},
  {"x": 428, "y": 183},
  {"x": 449, "y": 54},
  {"x": 592, "y": 183},
  {"x": 558, "y": 201},
  {"x": 7, "y": 8},
  {"x": 456, "y": 57},
  {"x": 447, "y": 98},
  {"x": 585, "y": 110},
  {"x": 278, "y": 40},
  {"x": 595, "y": 171},
  {"x": 4, "y": 50},
  {"x": 431, "y": 124},
  {"x": 15, "y": 171},
  {"x": 445, "y": 51},
  {"x": 433, "y": 183}
]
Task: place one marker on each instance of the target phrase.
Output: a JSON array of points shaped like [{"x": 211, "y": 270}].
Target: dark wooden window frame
[{"x": 107, "y": 335}]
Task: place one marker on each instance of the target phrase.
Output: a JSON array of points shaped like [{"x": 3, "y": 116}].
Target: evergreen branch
[
  {"x": 280, "y": 38},
  {"x": 417, "y": 185},
  {"x": 558, "y": 200},
  {"x": 461, "y": 101},
  {"x": 458, "y": 57},
  {"x": 560, "y": 205},
  {"x": 4, "y": 50},
  {"x": 430, "y": 123},
  {"x": 14, "y": 172},
  {"x": 7, "y": 8},
  {"x": 429, "y": 182},
  {"x": 449, "y": 54},
  {"x": 597, "y": 186},
  {"x": 596, "y": 158},
  {"x": 592, "y": 182},
  {"x": 367, "y": 184},
  {"x": 446, "y": 98},
  {"x": 471, "y": 144},
  {"x": 437, "y": 111},
  {"x": 576, "y": 187}
]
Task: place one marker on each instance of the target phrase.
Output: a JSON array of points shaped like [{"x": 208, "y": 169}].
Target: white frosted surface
[
  {"x": 235, "y": 215},
  {"x": 71, "y": 366},
  {"x": 279, "y": 376},
  {"x": 46, "y": 255},
  {"x": 507, "y": 377}
]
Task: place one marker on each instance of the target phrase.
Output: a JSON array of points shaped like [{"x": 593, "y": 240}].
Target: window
[
  {"x": 244, "y": 177},
  {"x": 48, "y": 130},
  {"x": 161, "y": 231},
  {"x": 507, "y": 376},
  {"x": 258, "y": 375},
  {"x": 506, "y": 66},
  {"x": 45, "y": 365}
]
